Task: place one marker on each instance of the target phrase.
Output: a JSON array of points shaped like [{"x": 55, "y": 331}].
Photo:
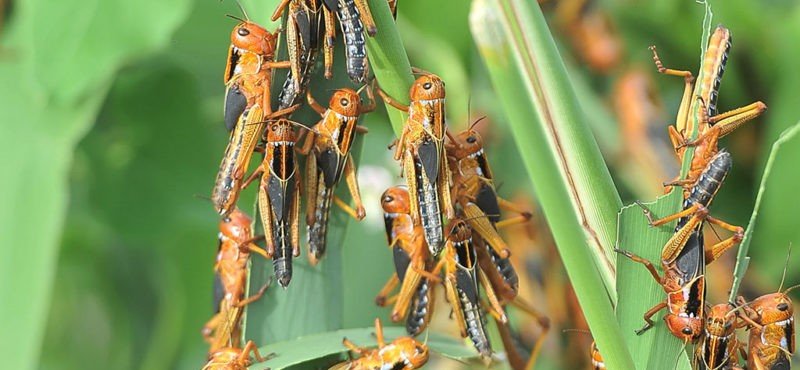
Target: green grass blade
[
  {"x": 562, "y": 158},
  {"x": 297, "y": 353},
  {"x": 61, "y": 62},
  {"x": 389, "y": 61},
  {"x": 788, "y": 137}
]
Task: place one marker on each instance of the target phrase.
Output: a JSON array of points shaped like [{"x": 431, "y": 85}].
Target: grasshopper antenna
[
  {"x": 244, "y": 12},
  {"x": 785, "y": 266},
  {"x": 477, "y": 122},
  {"x": 235, "y": 17}
]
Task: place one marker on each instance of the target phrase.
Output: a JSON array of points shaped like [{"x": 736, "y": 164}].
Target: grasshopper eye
[
  {"x": 783, "y": 306},
  {"x": 243, "y": 31},
  {"x": 388, "y": 199},
  {"x": 427, "y": 85},
  {"x": 472, "y": 139},
  {"x": 274, "y": 127},
  {"x": 344, "y": 102},
  {"x": 687, "y": 330}
]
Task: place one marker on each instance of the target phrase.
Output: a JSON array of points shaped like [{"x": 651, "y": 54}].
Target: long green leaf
[
  {"x": 562, "y": 158},
  {"x": 389, "y": 61},
  {"x": 62, "y": 60}
]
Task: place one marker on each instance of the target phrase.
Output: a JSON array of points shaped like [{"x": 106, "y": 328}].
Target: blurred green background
[{"x": 112, "y": 125}]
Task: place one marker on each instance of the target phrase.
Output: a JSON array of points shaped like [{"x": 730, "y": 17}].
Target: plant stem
[
  {"x": 565, "y": 165},
  {"x": 389, "y": 61}
]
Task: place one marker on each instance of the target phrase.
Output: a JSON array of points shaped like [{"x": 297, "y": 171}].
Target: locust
[
  {"x": 236, "y": 242},
  {"x": 247, "y": 105},
  {"x": 412, "y": 261},
  {"x": 420, "y": 149},
  {"x": 403, "y": 353},
  {"x": 327, "y": 147}
]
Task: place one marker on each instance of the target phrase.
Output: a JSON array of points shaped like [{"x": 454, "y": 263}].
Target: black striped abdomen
[{"x": 355, "y": 43}]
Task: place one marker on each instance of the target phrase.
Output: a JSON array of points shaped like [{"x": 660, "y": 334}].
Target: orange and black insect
[
  {"x": 421, "y": 149},
  {"x": 233, "y": 358},
  {"x": 236, "y": 242},
  {"x": 684, "y": 257},
  {"x": 304, "y": 27},
  {"x": 702, "y": 97},
  {"x": 597, "y": 359},
  {"x": 247, "y": 105},
  {"x": 403, "y": 353},
  {"x": 328, "y": 160},
  {"x": 474, "y": 191},
  {"x": 770, "y": 319},
  {"x": 719, "y": 348},
  {"x": 771, "y": 343},
  {"x": 412, "y": 261},
  {"x": 279, "y": 197},
  {"x": 355, "y": 19},
  {"x": 689, "y": 229},
  {"x": 462, "y": 279}
]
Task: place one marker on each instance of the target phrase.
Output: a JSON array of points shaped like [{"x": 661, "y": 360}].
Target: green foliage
[
  {"x": 787, "y": 140},
  {"x": 59, "y": 61}
]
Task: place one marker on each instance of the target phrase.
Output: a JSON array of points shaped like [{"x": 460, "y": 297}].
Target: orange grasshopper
[
  {"x": 355, "y": 18},
  {"x": 719, "y": 347},
  {"x": 279, "y": 197},
  {"x": 421, "y": 149},
  {"x": 770, "y": 319},
  {"x": 404, "y": 353},
  {"x": 474, "y": 191},
  {"x": 247, "y": 105},
  {"x": 328, "y": 159},
  {"x": 462, "y": 276},
  {"x": 236, "y": 242},
  {"x": 684, "y": 256},
  {"x": 412, "y": 260},
  {"x": 702, "y": 97},
  {"x": 233, "y": 358},
  {"x": 304, "y": 29}
]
